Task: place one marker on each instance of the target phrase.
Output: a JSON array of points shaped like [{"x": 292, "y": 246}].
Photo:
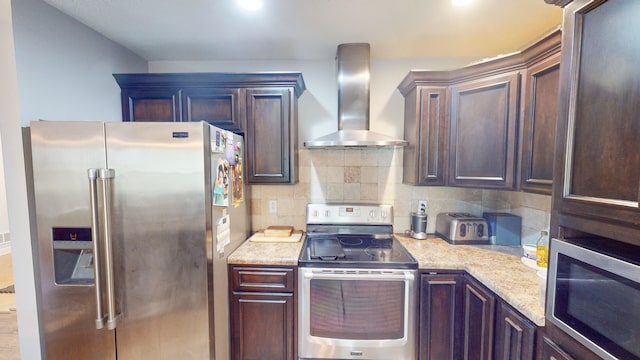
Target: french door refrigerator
[{"x": 132, "y": 244}]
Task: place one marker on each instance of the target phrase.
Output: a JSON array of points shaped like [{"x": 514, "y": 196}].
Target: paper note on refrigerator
[{"x": 222, "y": 234}]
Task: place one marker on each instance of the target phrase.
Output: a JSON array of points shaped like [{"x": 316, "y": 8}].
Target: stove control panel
[{"x": 352, "y": 214}]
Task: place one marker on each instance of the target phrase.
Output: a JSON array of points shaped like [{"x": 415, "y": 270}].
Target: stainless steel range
[{"x": 357, "y": 286}]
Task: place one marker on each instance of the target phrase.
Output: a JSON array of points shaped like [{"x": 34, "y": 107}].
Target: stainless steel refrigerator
[{"x": 134, "y": 224}]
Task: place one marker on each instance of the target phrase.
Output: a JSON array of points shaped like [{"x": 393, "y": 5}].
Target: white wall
[
  {"x": 64, "y": 68},
  {"x": 58, "y": 69}
]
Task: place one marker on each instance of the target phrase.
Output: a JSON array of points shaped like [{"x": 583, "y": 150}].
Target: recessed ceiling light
[
  {"x": 252, "y": 5},
  {"x": 461, "y": 2}
]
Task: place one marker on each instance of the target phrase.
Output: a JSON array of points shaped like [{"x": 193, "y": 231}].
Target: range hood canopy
[{"x": 353, "y": 103}]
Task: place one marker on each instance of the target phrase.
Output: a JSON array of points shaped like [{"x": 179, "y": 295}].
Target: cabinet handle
[
  {"x": 105, "y": 176},
  {"x": 93, "y": 196}
]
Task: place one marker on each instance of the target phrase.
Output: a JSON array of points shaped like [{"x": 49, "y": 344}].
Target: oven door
[
  {"x": 356, "y": 313},
  {"x": 595, "y": 298}
]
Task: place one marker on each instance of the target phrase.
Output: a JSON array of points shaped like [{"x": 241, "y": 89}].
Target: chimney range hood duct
[{"x": 353, "y": 104}]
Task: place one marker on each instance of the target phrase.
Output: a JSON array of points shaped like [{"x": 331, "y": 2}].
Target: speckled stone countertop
[
  {"x": 266, "y": 253},
  {"x": 503, "y": 274}
]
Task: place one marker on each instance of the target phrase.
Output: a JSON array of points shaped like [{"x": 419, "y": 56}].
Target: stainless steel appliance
[
  {"x": 130, "y": 243},
  {"x": 462, "y": 228},
  {"x": 357, "y": 286},
  {"x": 594, "y": 294},
  {"x": 418, "y": 225}
]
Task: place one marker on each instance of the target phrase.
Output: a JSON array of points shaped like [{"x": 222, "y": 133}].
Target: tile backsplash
[{"x": 375, "y": 176}]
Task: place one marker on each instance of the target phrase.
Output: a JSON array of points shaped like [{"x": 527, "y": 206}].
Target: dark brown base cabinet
[
  {"x": 261, "y": 106},
  {"x": 486, "y": 125},
  {"x": 478, "y": 313},
  {"x": 461, "y": 319},
  {"x": 440, "y": 327},
  {"x": 262, "y": 313},
  {"x": 515, "y": 335}
]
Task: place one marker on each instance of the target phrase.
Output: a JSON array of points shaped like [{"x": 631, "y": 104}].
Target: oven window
[
  {"x": 600, "y": 305},
  {"x": 357, "y": 309}
]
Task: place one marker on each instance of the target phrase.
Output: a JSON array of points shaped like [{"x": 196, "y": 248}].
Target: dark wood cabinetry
[
  {"x": 440, "y": 321},
  {"x": 515, "y": 335},
  {"x": 261, "y": 106},
  {"x": 461, "y": 319},
  {"x": 151, "y": 104},
  {"x": 262, "y": 312},
  {"x": 551, "y": 351},
  {"x": 223, "y": 108},
  {"x": 598, "y": 167},
  {"x": 539, "y": 125},
  {"x": 270, "y": 146},
  {"x": 468, "y": 127},
  {"x": 426, "y": 123},
  {"x": 478, "y": 314},
  {"x": 484, "y": 124}
]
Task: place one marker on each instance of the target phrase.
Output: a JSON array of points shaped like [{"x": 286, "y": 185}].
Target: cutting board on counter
[{"x": 260, "y": 236}]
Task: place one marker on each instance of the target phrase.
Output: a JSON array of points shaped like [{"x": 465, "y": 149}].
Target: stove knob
[
  {"x": 383, "y": 215},
  {"x": 463, "y": 230},
  {"x": 372, "y": 214}
]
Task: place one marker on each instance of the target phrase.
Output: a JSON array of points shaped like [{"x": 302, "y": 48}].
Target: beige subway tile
[
  {"x": 352, "y": 174},
  {"x": 335, "y": 174},
  {"x": 369, "y": 174},
  {"x": 335, "y": 192},
  {"x": 301, "y": 191},
  {"x": 351, "y": 192},
  {"x": 369, "y": 192},
  {"x": 353, "y": 158}
]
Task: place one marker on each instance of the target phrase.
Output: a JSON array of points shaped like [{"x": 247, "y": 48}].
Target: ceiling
[{"x": 311, "y": 29}]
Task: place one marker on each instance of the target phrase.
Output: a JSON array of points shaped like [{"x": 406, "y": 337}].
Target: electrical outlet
[
  {"x": 422, "y": 206},
  {"x": 273, "y": 206}
]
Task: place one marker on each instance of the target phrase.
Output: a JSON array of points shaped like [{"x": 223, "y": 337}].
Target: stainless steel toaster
[{"x": 462, "y": 228}]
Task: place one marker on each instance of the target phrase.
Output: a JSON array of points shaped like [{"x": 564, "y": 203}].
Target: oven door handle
[{"x": 360, "y": 275}]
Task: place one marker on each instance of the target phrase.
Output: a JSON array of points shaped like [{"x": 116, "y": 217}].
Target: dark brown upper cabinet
[
  {"x": 426, "y": 123},
  {"x": 597, "y": 171},
  {"x": 483, "y": 137},
  {"x": 261, "y": 106},
  {"x": 486, "y": 125},
  {"x": 151, "y": 104},
  {"x": 540, "y": 118},
  {"x": 220, "y": 107}
]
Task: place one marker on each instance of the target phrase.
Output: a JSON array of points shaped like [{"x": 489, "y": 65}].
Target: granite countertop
[
  {"x": 266, "y": 253},
  {"x": 504, "y": 274}
]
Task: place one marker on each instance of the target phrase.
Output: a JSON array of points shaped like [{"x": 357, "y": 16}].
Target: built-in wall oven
[
  {"x": 357, "y": 297},
  {"x": 594, "y": 295}
]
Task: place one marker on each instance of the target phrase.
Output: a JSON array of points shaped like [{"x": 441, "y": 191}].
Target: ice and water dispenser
[{"x": 72, "y": 256}]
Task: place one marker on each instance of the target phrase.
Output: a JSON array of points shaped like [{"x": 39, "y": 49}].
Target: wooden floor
[{"x": 9, "y": 349}]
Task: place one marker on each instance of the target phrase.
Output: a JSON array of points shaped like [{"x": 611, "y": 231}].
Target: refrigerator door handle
[
  {"x": 95, "y": 227},
  {"x": 105, "y": 176}
]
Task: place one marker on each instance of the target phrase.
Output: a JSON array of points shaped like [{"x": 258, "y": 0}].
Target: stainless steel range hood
[{"x": 353, "y": 104}]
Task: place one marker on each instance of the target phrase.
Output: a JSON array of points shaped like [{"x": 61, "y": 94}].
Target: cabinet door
[
  {"x": 426, "y": 127},
  {"x": 515, "y": 335},
  {"x": 540, "y": 114},
  {"x": 151, "y": 105},
  {"x": 262, "y": 326},
  {"x": 551, "y": 351},
  {"x": 440, "y": 316},
  {"x": 220, "y": 107},
  {"x": 270, "y": 136},
  {"x": 484, "y": 126},
  {"x": 599, "y": 168},
  {"x": 479, "y": 312}
]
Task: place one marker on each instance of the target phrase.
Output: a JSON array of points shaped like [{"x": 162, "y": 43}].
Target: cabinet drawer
[{"x": 262, "y": 279}]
